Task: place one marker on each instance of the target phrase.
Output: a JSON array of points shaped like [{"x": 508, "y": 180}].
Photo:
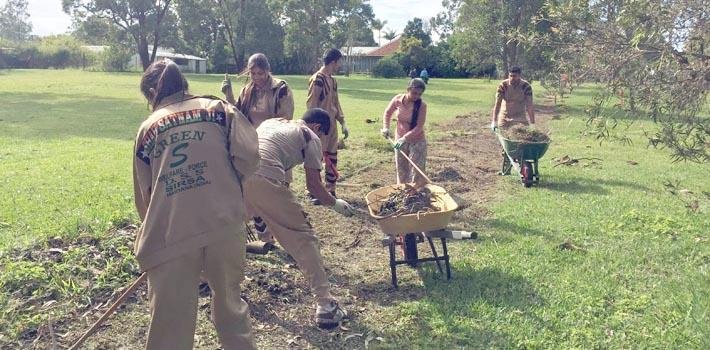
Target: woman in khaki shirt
[{"x": 263, "y": 96}]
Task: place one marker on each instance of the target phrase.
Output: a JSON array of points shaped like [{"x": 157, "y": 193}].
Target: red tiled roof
[{"x": 387, "y": 49}]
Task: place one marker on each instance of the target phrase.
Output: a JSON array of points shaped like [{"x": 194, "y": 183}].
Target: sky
[{"x": 48, "y": 18}]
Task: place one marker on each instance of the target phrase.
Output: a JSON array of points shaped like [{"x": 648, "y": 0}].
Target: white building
[{"x": 187, "y": 63}]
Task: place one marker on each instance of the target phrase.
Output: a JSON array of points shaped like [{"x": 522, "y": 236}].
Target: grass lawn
[{"x": 636, "y": 276}]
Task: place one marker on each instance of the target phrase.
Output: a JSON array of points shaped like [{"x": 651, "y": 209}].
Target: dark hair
[
  {"x": 515, "y": 70},
  {"x": 417, "y": 83},
  {"x": 257, "y": 60},
  {"x": 165, "y": 78},
  {"x": 331, "y": 55},
  {"x": 318, "y": 116}
]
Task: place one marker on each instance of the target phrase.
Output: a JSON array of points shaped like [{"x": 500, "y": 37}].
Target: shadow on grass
[
  {"x": 579, "y": 185},
  {"x": 514, "y": 228},
  {"x": 451, "y": 307}
]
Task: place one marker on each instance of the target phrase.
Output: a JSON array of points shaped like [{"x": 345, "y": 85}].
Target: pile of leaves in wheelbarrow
[
  {"x": 409, "y": 200},
  {"x": 525, "y": 134}
]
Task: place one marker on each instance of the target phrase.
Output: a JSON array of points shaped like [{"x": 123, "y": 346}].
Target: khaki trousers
[
  {"x": 417, "y": 153},
  {"x": 330, "y": 156},
  {"x": 287, "y": 222},
  {"x": 172, "y": 290}
]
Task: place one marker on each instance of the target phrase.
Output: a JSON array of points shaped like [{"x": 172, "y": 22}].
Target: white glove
[
  {"x": 343, "y": 207},
  {"x": 494, "y": 126},
  {"x": 226, "y": 84},
  {"x": 346, "y": 132},
  {"x": 399, "y": 143},
  {"x": 386, "y": 132}
]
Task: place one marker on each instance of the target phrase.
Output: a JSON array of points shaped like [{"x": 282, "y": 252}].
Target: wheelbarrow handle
[{"x": 428, "y": 180}]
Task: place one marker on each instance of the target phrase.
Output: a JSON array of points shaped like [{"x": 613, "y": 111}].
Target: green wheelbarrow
[{"x": 522, "y": 156}]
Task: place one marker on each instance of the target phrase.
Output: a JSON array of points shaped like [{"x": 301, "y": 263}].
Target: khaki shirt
[
  {"x": 189, "y": 161},
  {"x": 261, "y": 104},
  {"x": 515, "y": 98},
  {"x": 285, "y": 144},
  {"x": 323, "y": 93}
]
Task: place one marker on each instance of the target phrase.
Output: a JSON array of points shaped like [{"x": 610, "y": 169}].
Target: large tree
[
  {"x": 415, "y": 29},
  {"x": 310, "y": 27},
  {"x": 15, "y": 21},
  {"x": 493, "y": 32},
  {"x": 141, "y": 19},
  {"x": 652, "y": 58}
]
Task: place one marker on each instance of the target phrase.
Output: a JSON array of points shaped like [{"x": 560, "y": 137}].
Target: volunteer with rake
[
  {"x": 410, "y": 111},
  {"x": 284, "y": 144},
  {"x": 191, "y": 156},
  {"x": 263, "y": 97}
]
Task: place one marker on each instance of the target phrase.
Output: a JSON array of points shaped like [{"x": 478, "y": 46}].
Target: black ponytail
[{"x": 165, "y": 78}]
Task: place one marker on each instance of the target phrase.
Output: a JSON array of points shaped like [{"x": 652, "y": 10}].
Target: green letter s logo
[{"x": 182, "y": 156}]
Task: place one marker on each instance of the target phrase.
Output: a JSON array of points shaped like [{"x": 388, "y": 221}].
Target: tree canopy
[{"x": 14, "y": 21}]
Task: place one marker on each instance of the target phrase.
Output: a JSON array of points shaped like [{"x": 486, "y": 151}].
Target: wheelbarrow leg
[
  {"x": 506, "y": 166},
  {"x": 446, "y": 258},
  {"x": 393, "y": 263},
  {"x": 536, "y": 174},
  {"x": 433, "y": 252}
]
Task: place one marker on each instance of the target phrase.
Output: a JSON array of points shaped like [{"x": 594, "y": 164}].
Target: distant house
[
  {"x": 361, "y": 59},
  {"x": 187, "y": 63}
]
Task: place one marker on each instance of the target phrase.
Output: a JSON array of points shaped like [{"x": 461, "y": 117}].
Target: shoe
[
  {"x": 313, "y": 200},
  {"x": 262, "y": 231},
  {"x": 330, "y": 315}
]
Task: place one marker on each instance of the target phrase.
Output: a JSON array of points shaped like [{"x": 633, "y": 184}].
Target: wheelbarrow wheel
[{"x": 526, "y": 174}]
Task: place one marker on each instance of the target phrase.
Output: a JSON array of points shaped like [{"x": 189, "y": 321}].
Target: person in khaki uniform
[
  {"x": 513, "y": 100},
  {"x": 263, "y": 97},
  {"x": 283, "y": 145},
  {"x": 323, "y": 93},
  {"x": 191, "y": 156}
]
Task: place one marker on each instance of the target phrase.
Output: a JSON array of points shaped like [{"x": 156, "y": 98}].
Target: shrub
[
  {"x": 387, "y": 68},
  {"x": 115, "y": 59}
]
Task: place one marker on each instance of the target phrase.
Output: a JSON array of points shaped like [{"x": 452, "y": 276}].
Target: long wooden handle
[
  {"x": 411, "y": 162},
  {"x": 110, "y": 311}
]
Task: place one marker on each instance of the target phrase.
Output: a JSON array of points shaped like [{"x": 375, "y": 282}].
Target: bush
[
  {"x": 388, "y": 68},
  {"x": 59, "y": 51},
  {"x": 115, "y": 59}
]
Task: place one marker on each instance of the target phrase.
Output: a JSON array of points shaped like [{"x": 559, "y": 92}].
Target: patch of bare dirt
[{"x": 465, "y": 162}]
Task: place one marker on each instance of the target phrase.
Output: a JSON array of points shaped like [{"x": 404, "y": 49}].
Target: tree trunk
[
  {"x": 241, "y": 36},
  {"x": 156, "y": 32},
  {"x": 143, "y": 44}
]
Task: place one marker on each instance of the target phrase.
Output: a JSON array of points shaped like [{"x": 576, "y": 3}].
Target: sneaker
[
  {"x": 313, "y": 200},
  {"x": 330, "y": 315},
  {"x": 262, "y": 231}
]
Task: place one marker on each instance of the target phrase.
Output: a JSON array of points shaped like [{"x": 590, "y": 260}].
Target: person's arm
[
  {"x": 142, "y": 179},
  {"x": 387, "y": 115},
  {"x": 314, "y": 184},
  {"x": 419, "y": 129},
  {"x": 529, "y": 105},
  {"x": 496, "y": 108},
  {"x": 243, "y": 144},
  {"x": 227, "y": 89},
  {"x": 286, "y": 107},
  {"x": 315, "y": 88}
]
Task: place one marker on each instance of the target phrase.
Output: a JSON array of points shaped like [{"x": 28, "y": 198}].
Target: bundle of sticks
[{"x": 409, "y": 200}]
